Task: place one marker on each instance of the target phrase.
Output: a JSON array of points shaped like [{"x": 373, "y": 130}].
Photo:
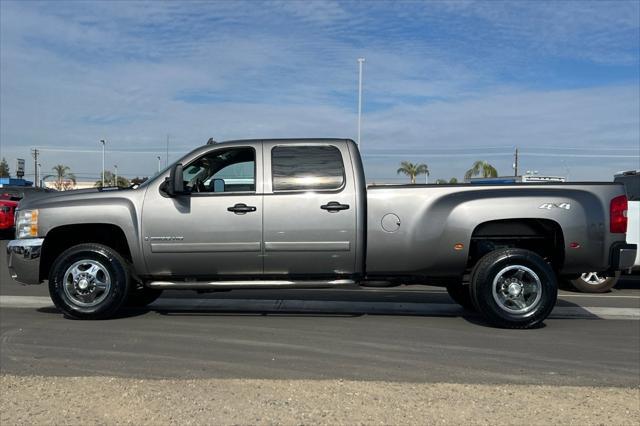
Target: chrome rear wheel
[
  {"x": 517, "y": 289},
  {"x": 513, "y": 288}
]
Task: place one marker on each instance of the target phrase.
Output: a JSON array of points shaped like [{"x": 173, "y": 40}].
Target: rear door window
[{"x": 306, "y": 168}]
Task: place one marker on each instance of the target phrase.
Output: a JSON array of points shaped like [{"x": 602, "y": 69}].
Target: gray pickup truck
[{"x": 298, "y": 213}]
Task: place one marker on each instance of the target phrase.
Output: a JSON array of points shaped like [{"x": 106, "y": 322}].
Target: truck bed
[{"x": 438, "y": 222}]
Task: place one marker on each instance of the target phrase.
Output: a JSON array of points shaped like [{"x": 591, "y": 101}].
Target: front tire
[
  {"x": 595, "y": 282},
  {"x": 89, "y": 281},
  {"x": 513, "y": 288}
]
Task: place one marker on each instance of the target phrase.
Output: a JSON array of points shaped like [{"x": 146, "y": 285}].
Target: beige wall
[{"x": 79, "y": 184}]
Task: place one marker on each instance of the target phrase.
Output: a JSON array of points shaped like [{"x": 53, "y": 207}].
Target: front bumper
[
  {"x": 623, "y": 256},
  {"x": 23, "y": 257}
]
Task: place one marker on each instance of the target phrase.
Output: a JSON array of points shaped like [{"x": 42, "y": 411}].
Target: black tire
[
  {"x": 460, "y": 293},
  {"x": 594, "y": 282},
  {"x": 111, "y": 266},
  {"x": 513, "y": 266},
  {"x": 140, "y": 296}
]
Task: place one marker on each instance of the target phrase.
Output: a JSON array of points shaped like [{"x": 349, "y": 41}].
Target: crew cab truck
[{"x": 298, "y": 213}]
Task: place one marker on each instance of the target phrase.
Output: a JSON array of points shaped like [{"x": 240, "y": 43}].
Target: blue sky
[{"x": 445, "y": 83}]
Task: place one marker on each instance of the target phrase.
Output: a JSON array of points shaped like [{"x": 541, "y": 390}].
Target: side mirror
[
  {"x": 218, "y": 185},
  {"x": 174, "y": 185}
]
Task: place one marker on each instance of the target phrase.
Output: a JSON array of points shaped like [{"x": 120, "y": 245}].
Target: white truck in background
[{"x": 597, "y": 282}]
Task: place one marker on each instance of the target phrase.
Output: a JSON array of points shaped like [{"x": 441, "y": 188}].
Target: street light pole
[
  {"x": 166, "y": 160},
  {"x": 103, "y": 144},
  {"x": 115, "y": 167},
  {"x": 360, "y": 61}
]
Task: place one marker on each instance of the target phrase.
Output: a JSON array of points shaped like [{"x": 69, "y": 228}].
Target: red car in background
[{"x": 7, "y": 213}]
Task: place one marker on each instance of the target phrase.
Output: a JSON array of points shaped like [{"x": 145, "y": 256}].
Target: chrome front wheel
[{"x": 87, "y": 283}]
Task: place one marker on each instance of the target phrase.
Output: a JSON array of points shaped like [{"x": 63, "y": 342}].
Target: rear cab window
[{"x": 307, "y": 168}]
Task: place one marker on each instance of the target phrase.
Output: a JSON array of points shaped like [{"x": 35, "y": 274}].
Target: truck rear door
[{"x": 310, "y": 209}]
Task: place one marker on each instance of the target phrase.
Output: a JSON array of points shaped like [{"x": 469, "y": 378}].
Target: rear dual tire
[
  {"x": 513, "y": 288},
  {"x": 460, "y": 293}
]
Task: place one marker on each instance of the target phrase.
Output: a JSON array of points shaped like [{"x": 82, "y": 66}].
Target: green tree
[
  {"x": 413, "y": 170},
  {"x": 481, "y": 168},
  {"x": 109, "y": 180},
  {"x": 138, "y": 180},
  {"x": 4, "y": 168},
  {"x": 64, "y": 179},
  {"x": 443, "y": 181}
]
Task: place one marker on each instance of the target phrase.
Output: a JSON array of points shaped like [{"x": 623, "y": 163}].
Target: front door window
[{"x": 228, "y": 170}]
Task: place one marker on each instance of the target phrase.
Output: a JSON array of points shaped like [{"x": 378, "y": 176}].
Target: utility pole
[
  {"x": 360, "y": 61},
  {"x": 115, "y": 167},
  {"x": 515, "y": 163},
  {"x": 103, "y": 144},
  {"x": 158, "y": 164},
  {"x": 35, "y": 152}
]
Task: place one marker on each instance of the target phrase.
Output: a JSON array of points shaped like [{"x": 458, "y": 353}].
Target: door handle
[
  {"x": 241, "y": 208},
  {"x": 334, "y": 206}
]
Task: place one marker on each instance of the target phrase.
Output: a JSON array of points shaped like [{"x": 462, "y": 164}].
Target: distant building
[
  {"x": 14, "y": 182},
  {"x": 518, "y": 179}
]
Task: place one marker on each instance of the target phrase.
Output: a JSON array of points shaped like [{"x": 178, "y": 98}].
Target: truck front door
[
  {"x": 309, "y": 210},
  {"x": 216, "y": 229}
]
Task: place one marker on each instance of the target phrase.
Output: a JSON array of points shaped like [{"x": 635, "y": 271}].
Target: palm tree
[
  {"x": 481, "y": 168},
  {"x": 413, "y": 170},
  {"x": 65, "y": 180}
]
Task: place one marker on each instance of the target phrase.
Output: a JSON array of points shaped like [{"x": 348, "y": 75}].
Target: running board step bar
[{"x": 203, "y": 285}]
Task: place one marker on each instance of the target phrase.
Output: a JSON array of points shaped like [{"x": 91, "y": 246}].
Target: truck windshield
[{"x": 161, "y": 172}]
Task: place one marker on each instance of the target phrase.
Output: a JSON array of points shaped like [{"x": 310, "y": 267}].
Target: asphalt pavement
[{"x": 409, "y": 334}]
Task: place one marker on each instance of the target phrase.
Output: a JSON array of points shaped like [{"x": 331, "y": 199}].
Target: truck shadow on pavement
[{"x": 326, "y": 304}]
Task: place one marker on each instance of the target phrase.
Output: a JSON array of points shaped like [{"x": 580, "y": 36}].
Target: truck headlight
[{"x": 26, "y": 224}]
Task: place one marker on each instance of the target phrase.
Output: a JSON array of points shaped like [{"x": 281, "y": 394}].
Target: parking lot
[{"x": 414, "y": 335}]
